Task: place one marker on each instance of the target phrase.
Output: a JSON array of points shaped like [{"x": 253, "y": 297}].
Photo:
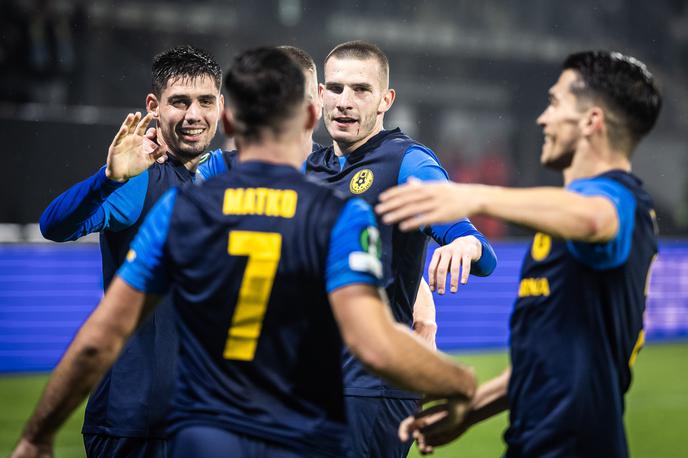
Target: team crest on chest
[
  {"x": 361, "y": 181},
  {"x": 542, "y": 244}
]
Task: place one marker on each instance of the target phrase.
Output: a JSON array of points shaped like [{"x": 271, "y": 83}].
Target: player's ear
[
  {"x": 321, "y": 91},
  {"x": 152, "y": 105},
  {"x": 387, "y": 100},
  {"x": 228, "y": 123},
  {"x": 593, "y": 121},
  {"x": 311, "y": 116}
]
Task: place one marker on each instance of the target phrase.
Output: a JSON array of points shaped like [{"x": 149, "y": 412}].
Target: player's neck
[
  {"x": 190, "y": 163},
  {"x": 274, "y": 151},
  {"x": 590, "y": 162}
]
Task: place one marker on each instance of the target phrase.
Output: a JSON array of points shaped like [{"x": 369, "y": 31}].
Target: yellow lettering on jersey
[
  {"x": 260, "y": 201},
  {"x": 542, "y": 243},
  {"x": 636, "y": 348},
  {"x": 232, "y": 202},
  {"x": 264, "y": 251},
  {"x": 533, "y": 287}
]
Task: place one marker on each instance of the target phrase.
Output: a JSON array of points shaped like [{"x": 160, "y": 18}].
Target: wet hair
[
  {"x": 362, "y": 50},
  {"x": 264, "y": 87},
  {"x": 183, "y": 62},
  {"x": 624, "y": 87},
  {"x": 301, "y": 57}
]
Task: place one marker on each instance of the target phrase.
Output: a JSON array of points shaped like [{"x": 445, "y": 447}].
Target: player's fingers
[
  {"x": 134, "y": 123},
  {"x": 162, "y": 158},
  {"x": 432, "y": 268},
  {"x": 143, "y": 124},
  {"x": 442, "y": 268},
  {"x": 455, "y": 269},
  {"x": 401, "y": 190},
  {"x": 431, "y": 216},
  {"x": 405, "y": 428},
  {"x": 151, "y": 134},
  {"x": 123, "y": 129},
  {"x": 465, "y": 268},
  {"x": 397, "y": 209}
]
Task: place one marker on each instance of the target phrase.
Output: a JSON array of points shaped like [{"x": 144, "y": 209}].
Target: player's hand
[
  {"x": 156, "y": 141},
  {"x": 455, "y": 259},
  {"x": 426, "y": 330},
  {"x": 26, "y": 449},
  {"x": 132, "y": 151},
  {"x": 437, "y": 425},
  {"x": 417, "y": 204}
]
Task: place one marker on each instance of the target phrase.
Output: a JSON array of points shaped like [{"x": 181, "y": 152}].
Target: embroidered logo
[{"x": 361, "y": 181}]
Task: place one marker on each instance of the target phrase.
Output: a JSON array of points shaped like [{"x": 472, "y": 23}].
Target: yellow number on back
[{"x": 263, "y": 250}]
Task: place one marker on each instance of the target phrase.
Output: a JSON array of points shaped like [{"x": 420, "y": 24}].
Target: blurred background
[{"x": 471, "y": 78}]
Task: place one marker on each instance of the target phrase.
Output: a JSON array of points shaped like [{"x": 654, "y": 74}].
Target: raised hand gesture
[{"x": 133, "y": 150}]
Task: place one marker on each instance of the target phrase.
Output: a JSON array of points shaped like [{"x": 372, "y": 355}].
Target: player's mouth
[
  {"x": 344, "y": 122},
  {"x": 190, "y": 134}
]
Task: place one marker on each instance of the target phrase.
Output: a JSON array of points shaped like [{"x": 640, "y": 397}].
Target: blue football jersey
[
  {"x": 576, "y": 329},
  {"x": 250, "y": 257}
]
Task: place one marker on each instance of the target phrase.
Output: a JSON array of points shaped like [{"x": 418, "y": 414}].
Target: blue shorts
[
  {"x": 100, "y": 445},
  {"x": 209, "y": 442},
  {"x": 373, "y": 426}
]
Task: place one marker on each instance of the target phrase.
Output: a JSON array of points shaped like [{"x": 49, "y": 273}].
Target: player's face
[
  {"x": 188, "y": 113},
  {"x": 560, "y": 124},
  {"x": 354, "y": 100}
]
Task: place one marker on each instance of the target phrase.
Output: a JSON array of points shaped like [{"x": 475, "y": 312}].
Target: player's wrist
[{"x": 112, "y": 177}]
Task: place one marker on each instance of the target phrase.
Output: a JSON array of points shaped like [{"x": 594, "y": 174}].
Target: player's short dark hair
[
  {"x": 360, "y": 49},
  {"x": 184, "y": 62},
  {"x": 264, "y": 87},
  {"x": 301, "y": 57},
  {"x": 624, "y": 87}
]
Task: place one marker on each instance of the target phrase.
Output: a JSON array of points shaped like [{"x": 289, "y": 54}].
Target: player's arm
[
  {"x": 108, "y": 199},
  {"x": 353, "y": 275},
  {"x": 555, "y": 211},
  {"x": 424, "y": 321},
  {"x": 444, "y": 422},
  {"x": 92, "y": 352},
  {"x": 390, "y": 350},
  {"x": 133, "y": 292},
  {"x": 463, "y": 249}
]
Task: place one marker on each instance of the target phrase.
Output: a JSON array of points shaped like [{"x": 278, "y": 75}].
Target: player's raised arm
[
  {"x": 106, "y": 200},
  {"x": 559, "y": 212}
]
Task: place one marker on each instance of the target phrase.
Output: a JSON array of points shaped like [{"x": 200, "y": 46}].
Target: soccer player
[
  {"x": 577, "y": 325},
  {"x": 124, "y": 415},
  {"x": 218, "y": 161},
  {"x": 252, "y": 257},
  {"x": 365, "y": 160}
]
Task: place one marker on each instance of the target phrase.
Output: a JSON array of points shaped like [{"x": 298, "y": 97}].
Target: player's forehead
[
  {"x": 561, "y": 90},
  {"x": 190, "y": 86},
  {"x": 352, "y": 70}
]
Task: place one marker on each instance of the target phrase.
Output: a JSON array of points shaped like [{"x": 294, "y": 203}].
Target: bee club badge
[{"x": 361, "y": 181}]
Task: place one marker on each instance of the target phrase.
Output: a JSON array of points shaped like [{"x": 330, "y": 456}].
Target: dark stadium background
[{"x": 471, "y": 78}]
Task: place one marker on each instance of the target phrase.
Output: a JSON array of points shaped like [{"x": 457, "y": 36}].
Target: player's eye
[{"x": 336, "y": 88}]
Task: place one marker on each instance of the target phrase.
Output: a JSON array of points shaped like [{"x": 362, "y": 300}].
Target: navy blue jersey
[
  {"x": 218, "y": 161},
  {"x": 576, "y": 329},
  {"x": 385, "y": 161},
  {"x": 133, "y": 397},
  {"x": 251, "y": 256}
]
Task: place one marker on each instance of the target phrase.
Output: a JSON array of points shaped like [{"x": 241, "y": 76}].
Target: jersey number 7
[{"x": 263, "y": 250}]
